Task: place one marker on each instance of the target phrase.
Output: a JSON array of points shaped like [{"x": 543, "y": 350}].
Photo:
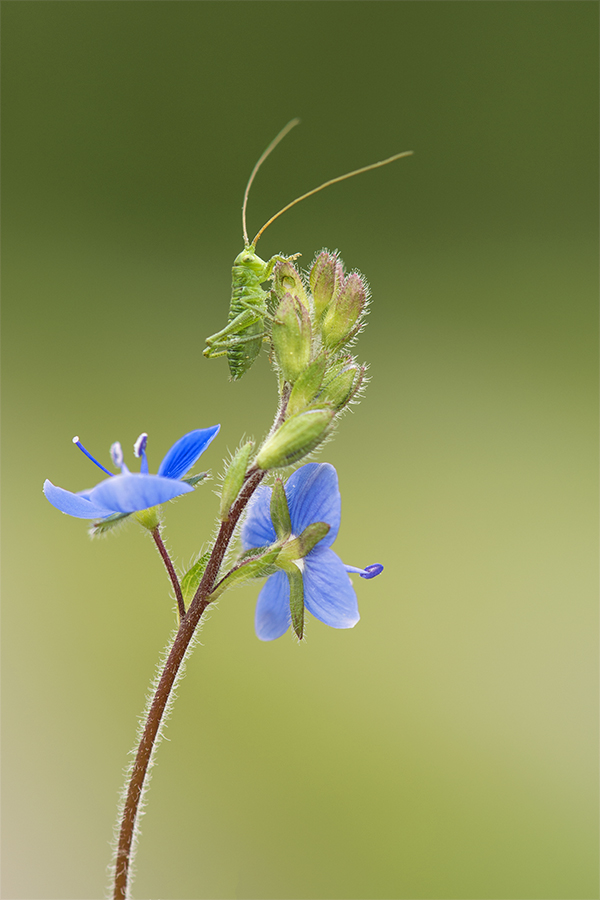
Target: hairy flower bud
[
  {"x": 325, "y": 277},
  {"x": 345, "y": 311},
  {"x": 292, "y": 337},
  {"x": 343, "y": 384},
  {"x": 307, "y": 385},
  {"x": 287, "y": 280},
  {"x": 234, "y": 478},
  {"x": 295, "y": 438}
]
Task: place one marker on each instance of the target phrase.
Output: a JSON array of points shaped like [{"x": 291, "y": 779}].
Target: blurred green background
[{"x": 447, "y": 746}]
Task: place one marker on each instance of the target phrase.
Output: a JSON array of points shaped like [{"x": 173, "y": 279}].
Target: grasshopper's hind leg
[
  {"x": 222, "y": 348},
  {"x": 232, "y": 335},
  {"x": 241, "y": 321}
]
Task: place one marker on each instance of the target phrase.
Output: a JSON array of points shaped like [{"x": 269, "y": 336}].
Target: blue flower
[
  {"x": 313, "y": 496},
  {"x": 131, "y": 492}
]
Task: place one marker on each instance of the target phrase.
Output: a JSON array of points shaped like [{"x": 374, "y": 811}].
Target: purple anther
[
  {"x": 368, "y": 572},
  {"x": 116, "y": 454},
  {"x": 372, "y": 571},
  {"x": 140, "y": 445},
  {"x": 139, "y": 449}
]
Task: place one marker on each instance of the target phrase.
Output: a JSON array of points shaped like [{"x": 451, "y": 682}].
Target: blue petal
[
  {"x": 272, "y": 617},
  {"x": 313, "y": 496},
  {"x": 328, "y": 591},
  {"x": 132, "y": 492},
  {"x": 258, "y": 529},
  {"x": 184, "y": 452},
  {"x": 72, "y": 504}
]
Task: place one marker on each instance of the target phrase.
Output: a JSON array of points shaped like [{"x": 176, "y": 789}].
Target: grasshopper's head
[{"x": 248, "y": 259}]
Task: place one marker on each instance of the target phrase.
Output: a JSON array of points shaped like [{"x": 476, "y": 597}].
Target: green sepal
[
  {"x": 234, "y": 479},
  {"x": 296, "y": 598},
  {"x": 250, "y": 566},
  {"x": 304, "y": 543},
  {"x": 280, "y": 513},
  {"x": 307, "y": 386},
  {"x": 193, "y": 577},
  {"x": 103, "y": 526},
  {"x": 193, "y": 480}
]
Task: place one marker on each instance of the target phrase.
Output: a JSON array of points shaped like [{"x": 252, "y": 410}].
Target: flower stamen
[
  {"x": 368, "y": 572},
  {"x": 139, "y": 449},
  {"x": 78, "y": 443},
  {"x": 116, "y": 453}
]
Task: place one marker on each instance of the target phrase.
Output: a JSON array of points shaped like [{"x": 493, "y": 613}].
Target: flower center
[{"x": 297, "y": 562}]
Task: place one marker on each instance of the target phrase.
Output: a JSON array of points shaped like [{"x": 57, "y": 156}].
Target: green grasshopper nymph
[{"x": 241, "y": 339}]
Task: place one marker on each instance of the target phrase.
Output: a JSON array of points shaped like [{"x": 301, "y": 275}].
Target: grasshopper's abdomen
[{"x": 247, "y": 296}]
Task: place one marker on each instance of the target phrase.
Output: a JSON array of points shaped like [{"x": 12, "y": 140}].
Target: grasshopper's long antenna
[
  {"x": 271, "y": 147},
  {"x": 376, "y": 165}
]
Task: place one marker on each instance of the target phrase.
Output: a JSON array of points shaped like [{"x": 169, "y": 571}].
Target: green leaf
[{"x": 193, "y": 577}]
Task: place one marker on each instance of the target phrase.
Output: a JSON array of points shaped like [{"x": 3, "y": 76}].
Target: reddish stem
[
  {"x": 171, "y": 570},
  {"x": 187, "y": 627},
  {"x": 186, "y": 631}
]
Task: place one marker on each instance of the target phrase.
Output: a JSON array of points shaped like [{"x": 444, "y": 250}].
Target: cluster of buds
[{"x": 313, "y": 323}]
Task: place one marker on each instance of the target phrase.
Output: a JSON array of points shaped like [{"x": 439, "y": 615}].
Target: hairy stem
[
  {"x": 184, "y": 635},
  {"x": 170, "y": 569}
]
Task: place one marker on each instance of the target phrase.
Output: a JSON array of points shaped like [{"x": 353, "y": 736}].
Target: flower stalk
[{"x": 170, "y": 569}]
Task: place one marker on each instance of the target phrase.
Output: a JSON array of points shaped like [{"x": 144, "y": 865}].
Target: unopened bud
[
  {"x": 287, "y": 280},
  {"x": 295, "y": 438},
  {"x": 325, "y": 277},
  {"x": 343, "y": 386},
  {"x": 292, "y": 337},
  {"x": 234, "y": 479},
  {"x": 307, "y": 385},
  {"x": 345, "y": 311}
]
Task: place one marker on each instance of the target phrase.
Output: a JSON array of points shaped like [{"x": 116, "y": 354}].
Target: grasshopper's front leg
[{"x": 270, "y": 265}]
